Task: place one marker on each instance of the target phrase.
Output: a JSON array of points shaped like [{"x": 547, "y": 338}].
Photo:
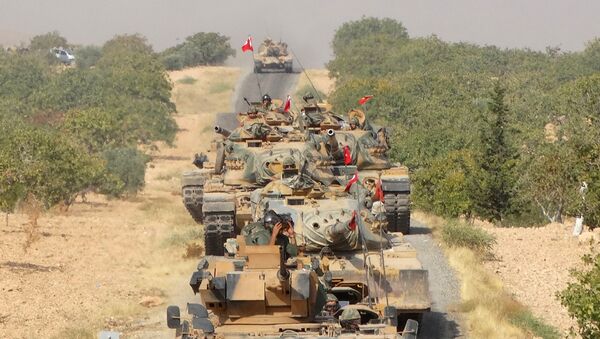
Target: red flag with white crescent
[
  {"x": 364, "y": 99},
  {"x": 351, "y": 182},
  {"x": 247, "y": 46},
  {"x": 352, "y": 223},
  {"x": 347, "y": 155},
  {"x": 288, "y": 104}
]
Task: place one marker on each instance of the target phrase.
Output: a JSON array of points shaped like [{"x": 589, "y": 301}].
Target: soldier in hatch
[
  {"x": 274, "y": 229},
  {"x": 350, "y": 320},
  {"x": 331, "y": 306},
  {"x": 267, "y": 103},
  {"x": 354, "y": 123}
]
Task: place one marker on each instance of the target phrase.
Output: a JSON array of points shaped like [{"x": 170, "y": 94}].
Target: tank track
[
  {"x": 192, "y": 199},
  {"x": 397, "y": 211},
  {"x": 218, "y": 227}
]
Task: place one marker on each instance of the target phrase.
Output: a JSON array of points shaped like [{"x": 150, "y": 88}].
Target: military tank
[
  {"x": 257, "y": 293},
  {"x": 273, "y": 56},
  {"x": 330, "y": 219},
  {"x": 366, "y": 148}
]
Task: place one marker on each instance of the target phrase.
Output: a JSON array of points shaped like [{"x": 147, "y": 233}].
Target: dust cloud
[{"x": 306, "y": 25}]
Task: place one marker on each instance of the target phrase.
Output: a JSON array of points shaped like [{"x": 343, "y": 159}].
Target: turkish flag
[
  {"x": 347, "y": 155},
  {"x": 352, "y": 223},
  {"x": 288, "y": 104},
  {"x": 247, "y": 46},
  {"x": 351, "y": 182},
  {"x": 378, "y": 191},
  {"x": 364, "y": 99}
]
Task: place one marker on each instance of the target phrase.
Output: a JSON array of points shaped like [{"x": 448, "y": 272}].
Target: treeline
[
  {"x": 507, "y": 135},
  {"x": 65, "y": 130}
]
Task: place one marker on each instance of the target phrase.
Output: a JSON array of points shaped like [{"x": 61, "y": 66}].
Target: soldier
[
  {"x": 354, "y": 123},
  {"x": 273, "y": 230},
  {"x": 331, "y": 306},
  {"x": 350, "y": 319},
  {"x": 267, "y": 104}
]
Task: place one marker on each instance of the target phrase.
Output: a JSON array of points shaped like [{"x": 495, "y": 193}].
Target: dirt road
[{"x": 441, "y": 322}]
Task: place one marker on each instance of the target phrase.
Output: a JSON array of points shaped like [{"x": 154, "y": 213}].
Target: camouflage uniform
[{"x": 258, "y": 233}]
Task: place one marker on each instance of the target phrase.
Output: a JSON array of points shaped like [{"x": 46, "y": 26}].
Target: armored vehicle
[
  {"x": 257, "y": 293},
  {"x": 364, "y": 146},
  {"x": 273, "y": 56}
]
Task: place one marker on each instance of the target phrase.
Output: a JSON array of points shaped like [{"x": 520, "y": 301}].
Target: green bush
[
  {"x": 126, "y": 169},
  {"x": 198, "y": 49},
  {"x": 582, "y": 296},
  {"x": 459, "y": 234}
]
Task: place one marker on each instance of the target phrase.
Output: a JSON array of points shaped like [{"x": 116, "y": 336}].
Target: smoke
[{"x": 308, "y": 25}]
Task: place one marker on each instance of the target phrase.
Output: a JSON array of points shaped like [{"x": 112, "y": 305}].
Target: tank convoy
[
  {"x": 273, "y": 56},
  {"x": 250, "y": 156}
]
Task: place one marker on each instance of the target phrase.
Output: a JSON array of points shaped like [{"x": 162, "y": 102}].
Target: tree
[
  {"x": 199, "y": 49},
  {"x": 492, "y": 187},
  {"x": 45, "y": 42},
  {"x": 88, "y": 56},
  {"x": 582, "y": 297}
]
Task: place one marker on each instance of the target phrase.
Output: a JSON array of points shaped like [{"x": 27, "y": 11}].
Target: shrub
[
  {"x": 126, "y": 168},
  {"x": 458, "y": 234},
  {"x": 582, "y": 297}
]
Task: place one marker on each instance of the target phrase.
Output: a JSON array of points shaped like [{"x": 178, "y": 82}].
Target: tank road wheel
[
  {"x": 192, "y": 199},
  {"x": 218, "y": 227},
  {"x": 397, "y": 211}
]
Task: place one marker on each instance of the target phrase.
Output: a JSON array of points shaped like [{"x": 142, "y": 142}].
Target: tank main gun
[
  {"x": 224, "y": 132},
  {"x": 333, "y": 145}
]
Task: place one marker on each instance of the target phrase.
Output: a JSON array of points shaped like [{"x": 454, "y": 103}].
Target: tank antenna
[{"x": 307, "y": 77}]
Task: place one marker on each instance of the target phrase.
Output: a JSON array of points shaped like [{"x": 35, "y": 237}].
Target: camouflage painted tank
[
  {"x": 273, "y": 56},
  {"x": 355, "y": 239},
  {"x": 218, "y": 193},
  {"x": 257, "y": 293},
  {"x": 366, "y": 148}
]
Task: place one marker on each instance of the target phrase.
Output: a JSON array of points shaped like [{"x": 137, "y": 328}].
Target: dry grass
[
  {"x": 489, "y": 310},
  {"x": 210, "y": 93}
]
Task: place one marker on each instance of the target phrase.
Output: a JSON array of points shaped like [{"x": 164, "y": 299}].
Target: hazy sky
[{"x": 307, "y": 25}]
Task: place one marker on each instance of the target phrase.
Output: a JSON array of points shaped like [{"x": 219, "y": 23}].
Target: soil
[{"x": 534, "y": 264}]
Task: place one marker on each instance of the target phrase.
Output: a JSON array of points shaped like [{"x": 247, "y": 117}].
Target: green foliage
[
  {"x": 87, "y": 56},
  {"x": 432, "y": 94},
  {"x": 128, "y": 166},
  {"x": 198, "y": 49},
  {"x": 42, "y": 163},
  {"x": 442, "y": 187},
  {"x": 68, "y": 130},
  {"x": 582, "y": 297},
  {"x": 459, "y": 234},
  {"x": 45, "y": 42},
  {"x": 492, "y": 187}
]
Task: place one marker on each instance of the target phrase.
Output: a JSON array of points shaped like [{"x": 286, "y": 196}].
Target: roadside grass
[
  {"x": 460, "y": 234},
  {"x": 185, "y": 237},
  {"x": 489, "y": 311}
]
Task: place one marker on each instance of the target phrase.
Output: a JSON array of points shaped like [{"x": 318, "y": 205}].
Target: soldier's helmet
[
  {"x": 354, "y": 121},
  {"x": 271, "y": 218},
  {"x": 266, "y": 98},
  {"x": 331, "y": 297},
  {"x": 350, "y": 314}
]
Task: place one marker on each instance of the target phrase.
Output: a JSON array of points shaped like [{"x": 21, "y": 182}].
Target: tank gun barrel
[
  {"x": 334, "y": 146},
  {"x": 226, "y": 133}
]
